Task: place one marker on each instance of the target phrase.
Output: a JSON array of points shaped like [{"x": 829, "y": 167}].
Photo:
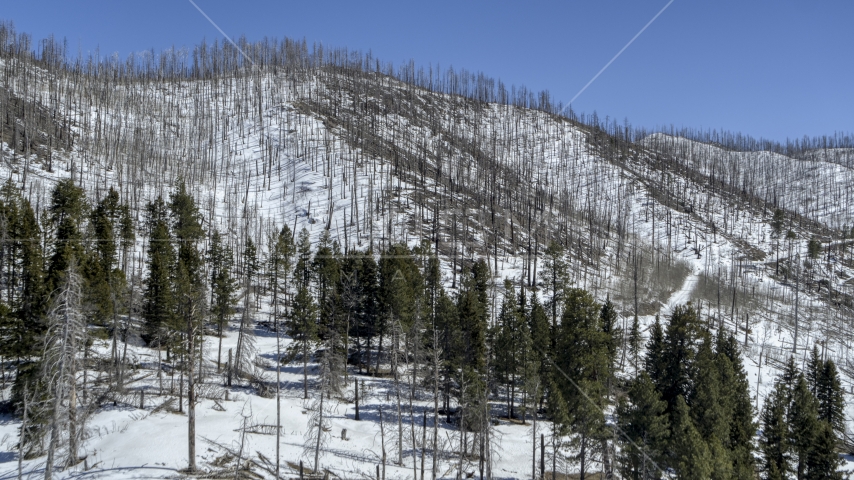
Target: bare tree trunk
[
  {"x": 423, "y": 442},
  {"x": 191, "y": 398},
  {"x": 356, "y": 390},
  {"x": 73, "y": 447},
  {"x": 22, "y": 435},
  {"x": 278, "y": 397},
  {"x": 305, "y": 368},
  {"x": 319, "y": 435}
]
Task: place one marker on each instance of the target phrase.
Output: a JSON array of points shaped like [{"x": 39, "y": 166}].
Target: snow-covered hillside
[{"x": 376, "y": 161}]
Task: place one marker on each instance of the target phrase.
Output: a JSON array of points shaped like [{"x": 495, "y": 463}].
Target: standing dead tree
[
  {"x": 66, "y": 335},
  {"x": 329, "y": 387}
]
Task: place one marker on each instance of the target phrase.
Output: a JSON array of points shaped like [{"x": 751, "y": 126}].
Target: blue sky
[{"x": 772, "y": 69}]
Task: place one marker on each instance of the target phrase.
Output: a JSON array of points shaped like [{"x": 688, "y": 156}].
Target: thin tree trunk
[
  {"x": 356, "y": 390},
  {"x": 319, "y": 434},
  {"x": 22, "y": 436},
  {"x": 191, "y": 398},
  {"x": 278, "y": 395}
]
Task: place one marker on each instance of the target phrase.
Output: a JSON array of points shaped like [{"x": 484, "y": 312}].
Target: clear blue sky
[{"x": 774, "y": 69}]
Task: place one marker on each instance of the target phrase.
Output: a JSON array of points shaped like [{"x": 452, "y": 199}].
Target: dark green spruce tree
[
  {"x": 223, "y": 287},
  {"x": 158, "y": 300},
  {"x": 642, "y": 418}
]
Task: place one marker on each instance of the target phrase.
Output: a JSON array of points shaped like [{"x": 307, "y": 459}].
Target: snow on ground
[
  {"x": 306, "y": 189},
  {"x": 125, "y": 441}
]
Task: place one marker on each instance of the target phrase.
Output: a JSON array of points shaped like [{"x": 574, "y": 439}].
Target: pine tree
[
  {"x": 736, "y": 391},
  {"x": 831, "y": 397},
  {"x": 189, "y": 292},
  {"x": 774, "y": 442},
  {"x": 302, "y": 327},
  {"x": 582, "y": 355},
  {"x": 813, "y": 370},
  {"x": 509, "y": 337},
  {"x": 472, "y": 314},
  {"x": 608, "y": 322},
  {"x": 326, "y": 272},
  {"x": 561, "y": 420},
  {"x": 99, "y": 270},
  {"x": 634, "y": 341},
  {"x": 709, "y": 405},
  {"x": 24, "y": 317},
  {"x": 368, "y": 313},
  {"x": 158, "y": 301},
  {"x": 279, "y": 264},
  {"x": 538, "y": 325},
  {"x": 803, "y": 424},
  {"x": 823, "y": 460},
  {"x": 67, "y": 210},
  {"x": 655, "y": 362},
  {"x": 643, "y": 421},
  {"x": 279, "y": 270},
  {"x": 690, "y": 455},
  {"x": 711, "y": 409},
  {"x": 451, "y": 345},
  {"x": 679, "y": 353},
  {"x": 223, "y": 287}
]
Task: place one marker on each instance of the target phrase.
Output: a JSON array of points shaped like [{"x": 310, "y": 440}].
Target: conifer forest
[{"x": 311, "y": 263}]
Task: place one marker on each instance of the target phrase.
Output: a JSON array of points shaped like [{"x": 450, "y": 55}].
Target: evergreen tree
[
  {"x": 452, "y": 345},
  {"x": 302, "y": 327},
  {"x": 104, "y": 275},
  {"x": 655, "y": 362},
  {"x": 157, "y": 311},
  {"x": 691, "y": 457},
  {"x": 509, "y": 346},
  {"x": 400, "y": 284},
  {"x": 472, "y": 313},
  {"x": 774, "y": 442},
  {"x": 251, "y": 267},
  {"x": 67, "y": 210},
  {"x": 643, "y": 421},
  {"x": 26, "y": 298},
  {"x": 634, "y": 341},
  {"x": 303, "y": 270},
  {"x": 831, "y": 398},
  {"x": 244, "y": 353},
  {"x": 368, "y": 312},
  {"x": 555, "y": 279},
  {"x": 803, "y": 424},
  {"x": 813, "y": 370},
  {"x": 326, "y": 274},
  {"x": 709, "y": 406},
  {"x": 23, "y": 314},
  {"x": 823, "y": 461},
  {"x": 223, "y": 288},
  {"x": 679, "y": 354},
  {"x": 582, "y": 355},
  {"x": 538, "y": 325},
  {"x": 279, "y": 264},
  {"x": 736, "y": 396},
  {"x": 609, "y": 326},
  {"x": 187, "y": 228},
  {"x": 279, "y": 269},
  {"x": 711, "y": 409},
  {"x": 189, "y": 292},
  {"x": 789, "y": 377}
]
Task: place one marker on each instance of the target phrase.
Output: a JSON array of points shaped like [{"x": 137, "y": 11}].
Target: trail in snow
[{"x": 683, "y": 295}]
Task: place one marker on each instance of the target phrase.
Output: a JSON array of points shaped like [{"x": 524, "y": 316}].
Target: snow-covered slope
[{"x": 376, "y": 161}]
